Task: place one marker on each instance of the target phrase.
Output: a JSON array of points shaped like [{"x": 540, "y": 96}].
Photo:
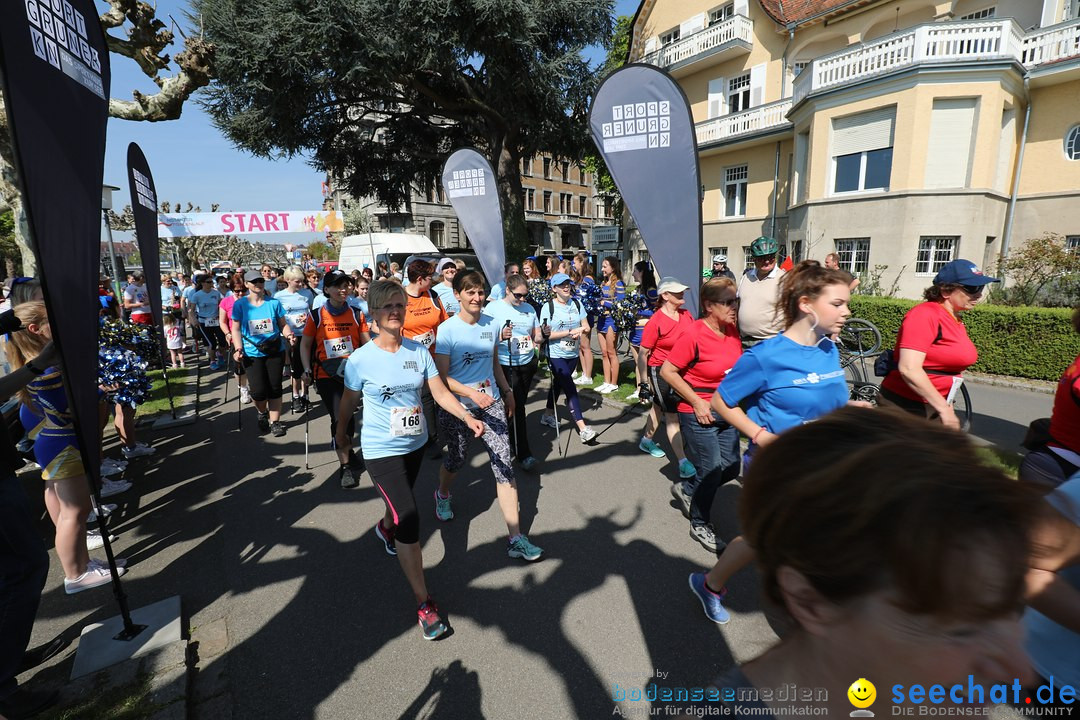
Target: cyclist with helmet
[
  {"x": 759, "y": 289},
  {"x": 719, "y": 268}
]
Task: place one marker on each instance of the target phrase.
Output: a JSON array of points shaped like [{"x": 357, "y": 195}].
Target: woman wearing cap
[
  {"x": 564, "y": 324},
  {"x": 519, "y": 337},
  {"x": 448, "y": 269},
  {"x": 295, "y": 300},
  {"x": 237, "y": 291},
  {"x": 933, "y": 348},
  {"x": 613, "y": 289},
  {"x": 583, "y": 274},
  {"x": 259, "y": 336},
  {"x": 389, "y": 373},
  {"x": 646, "y": 288},
  {"x": 331, "y": 334},
  {"x": 204, "y": 315},
  {"x": 658, "y": 337}
]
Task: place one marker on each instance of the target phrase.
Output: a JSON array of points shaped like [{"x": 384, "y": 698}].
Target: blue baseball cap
[
  {"x": 559, "y": 279},
  {"x": 962, "y": 272}
]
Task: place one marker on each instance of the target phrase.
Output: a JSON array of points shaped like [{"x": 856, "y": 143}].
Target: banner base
[
  {"x": 99, "y": 647},
  {"x": 186, "y": 417}
]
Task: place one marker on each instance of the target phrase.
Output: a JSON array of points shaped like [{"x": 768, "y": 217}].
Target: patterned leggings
[{"x": 496, "y": 437}]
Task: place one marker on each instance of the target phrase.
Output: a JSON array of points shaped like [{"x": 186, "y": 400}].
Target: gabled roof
[{"x": 798, "y": 11}]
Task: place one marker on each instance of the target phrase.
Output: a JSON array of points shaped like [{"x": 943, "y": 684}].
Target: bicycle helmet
[{"x": 764, "y": 247}]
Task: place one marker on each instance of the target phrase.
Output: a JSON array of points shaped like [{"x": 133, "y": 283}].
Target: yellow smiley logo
[{"x": 862, "y": 693}]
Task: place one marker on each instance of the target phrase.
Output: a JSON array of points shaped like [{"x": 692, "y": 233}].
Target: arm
[
  {"x": 736, "y": 417},
  {"x": 18, "y": 379},
  {"x": 671, "y": 376},
  {"x": 305, "y": 353},
  {"x": 1056, "y": 545},
  {"x": 911, "y": 369},
  {"x": 450, "y": 404},
  {"x": 642, "y": 367},
  {"x": 349, "y": 400},
  {"x": 238, "y": 339},
  {"x": 504, "y": 387},
  {"x": 286, "y": 331}
]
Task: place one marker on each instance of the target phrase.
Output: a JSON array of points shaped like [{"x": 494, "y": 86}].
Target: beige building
[{"x": 897, "y": 133}]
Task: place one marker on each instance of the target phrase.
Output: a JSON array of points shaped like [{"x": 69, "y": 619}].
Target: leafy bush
[{"x": 1026, "y": 342}]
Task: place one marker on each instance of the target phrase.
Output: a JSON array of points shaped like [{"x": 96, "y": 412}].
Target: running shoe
[
  {"x": 99, "y": 563},
  {"x": 529, "y": 464},
  {"x": 95, "y": 541},
  {"x": 137, "y": 450},
  {"x": 387, "y": 536},
  {"x": 107, "y": 509},
  {"x": 113, "y": 462},
  {"x": 114, "y": 487},
  {"x": 587, "y": 435},
  {"x": 583, "y": 380},
  {"x": 634, "y": 396},
  {"x": 245, "y": 396},
  {"x": 107, "y": 470},
  {"x": 520, "y": 547},
  {"x": 297, "y": 405},
  {"x": 686, "y": 469},
  {"x": 549, "y": 421},
  {"x": 348, "y": 480},
  {"x": 442, "y": 507},
  {"x": 648, "y": 445},
  {"x": 264, "y": 423},
  {"x": 431, "y": 621},
  {"x": 679, "y": 493},
  {"x": 704, "y": 534},
  {"x": 92, "y": 578},
  {"x": 711, "y": 603},
  {"x": 277, "y": 429},
  {"x": 607, "y": 388}
]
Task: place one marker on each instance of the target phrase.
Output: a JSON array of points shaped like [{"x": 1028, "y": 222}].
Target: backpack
[
  {"x": 316, "y": 316},
  {"x": 888, "y": 360},
  {"x": 551, "y": 306}
]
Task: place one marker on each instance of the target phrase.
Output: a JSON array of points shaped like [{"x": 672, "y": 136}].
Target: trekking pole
[
  {"x": 551, "y": 389},
  {"x": 512, "y": 421},
  {"x": 306, "y": 405}
]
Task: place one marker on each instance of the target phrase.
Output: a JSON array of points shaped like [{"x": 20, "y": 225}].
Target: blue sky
[{"x": 192, "y": 161}]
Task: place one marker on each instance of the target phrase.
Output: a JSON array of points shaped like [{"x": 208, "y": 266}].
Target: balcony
[
  {"x": 939, "y": 44},
  {"x": 761, "y": 119},
  {"x": 714, "y": 44},
  {"x": 569, "y": 220},
  {"x": 534, "y": 216}
]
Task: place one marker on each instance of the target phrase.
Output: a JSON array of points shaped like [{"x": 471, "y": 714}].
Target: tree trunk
[
  {"x": 508, "y": 179},
  {"x": 11, "y": 197}
]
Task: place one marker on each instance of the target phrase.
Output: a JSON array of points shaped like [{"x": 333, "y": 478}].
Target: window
[
  {"x": 547, "y": 168},
  {"x": 748, "y": 259},
  {"x": 722, "y": 13},
  {"x": 735, "y": 191},
  {"x": 738, "y": 96},
  {"x": 566, "y": 204},
  {"x": 1072, "y": 143},
  {"x": 526, "y": 166},
  {"x": 547, "y": 201},
  {"x": 529, "y": 198},
  {"x": 798, "y": 67},
  {"x": 862, "y": 150},
  {"x": 980, "y": 14},
  {"x": 566, "y": 172},
  {"x": 714, "y": 251},
  {"x": 437, "y": 233},
  {"x": 669, "y": 37},
  {"x": 582, "y": 207},
  {"x": 853, "y": 254},
  {"x": 582, "y": 175},
  {"x": 1072, "y": 244},
  {"x": 934, "y": 254}
]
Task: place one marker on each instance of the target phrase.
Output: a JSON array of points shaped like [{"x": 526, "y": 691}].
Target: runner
[
  {"x": 519, "y": 361},
  {"x": 259, "y": 327},
  {"x": 658, "y": 338},
  {"x": 564, "y": 324},
  {"x": 331, "y": 335},
  {"x": 498, "y": 290},
  {"x": 204, "y": 315},
  {"x": 363, "y": 284},
  {"x": 186, "y": 310},
  {"x": 137, "y": 300},
  {"x": 423, "y": 316},
  {"x": 296, "y": 300},
  {"x": 614, "y": 289},
  {"x": 646, "y": 287},
  {"x": 448, "y": 269},
  {"x": 389, "y": 373},
  {"x": 239, "y": 290}
]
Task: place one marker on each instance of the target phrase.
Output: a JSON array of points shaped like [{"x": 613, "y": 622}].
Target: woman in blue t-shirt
[
  {"x": 564, "y": 326},
  {"x": 788, "y": 380}
]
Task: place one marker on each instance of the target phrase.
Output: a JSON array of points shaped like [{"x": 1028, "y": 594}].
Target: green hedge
[{"x": 1023, "y": 342}]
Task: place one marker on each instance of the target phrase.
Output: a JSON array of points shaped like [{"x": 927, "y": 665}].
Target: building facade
[{"x": 900, "y": 134}]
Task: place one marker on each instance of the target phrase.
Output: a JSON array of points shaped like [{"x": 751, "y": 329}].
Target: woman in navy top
[{"x": 614, "y": 289}]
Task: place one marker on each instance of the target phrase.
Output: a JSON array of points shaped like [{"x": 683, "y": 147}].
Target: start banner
[{"x": 256, "y": 222}]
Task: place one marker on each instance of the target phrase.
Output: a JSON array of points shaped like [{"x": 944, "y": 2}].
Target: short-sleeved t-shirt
[
  {"x": 422, "y": 318},
  {"x": 522, "y": 323},
  {"x": 227, "y": 305},
  {"x": 187, "y": 292},
  {"x": 758, "y": 318},
  {"x": 258, "y": 323},
  {"x": 1065, "y": 417},
  {"x": 446, "y": 295},
  {"x": 952, "y": 354},
  {"x": 561, "y": 317},
  {"x": 296, "y": 306},
  {"x": 661, "y": 333},
  {"x": 170, "y": 296},
  {"x": 391, "y": 382},
  {"x": 206, "y": 306},
  {"x": 716, "y": 355},
  {"x": 335, "y": 336},
  {"x": 787, "y": 384},
  {"x": 137, "y": 294},
  {"x": 471, "y": 349},
  {"x": 498, "y": 291}
]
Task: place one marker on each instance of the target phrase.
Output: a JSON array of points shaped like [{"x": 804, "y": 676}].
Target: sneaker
[
  {"x": 387, "y": 536},
  {"x": 264, "y": 423},
  {"x": 113, "y": 462},
  {"x": 679, "y": 493},
  {"x": 348, "y": 480},
  {"x": 442, "y": 507},
  {"x": 95, "y": 541},
  {"x": 549, "y": 421},
  {"x": 137, "y": 450},
  {"x": 529, "y": 464},
  {"x": 297, "y": 405},
  {"x": 607, "y": 388},
  {"x": 583, "y": 380},
  {"x": 93, "y": 577},
  {"x": 107, "y": 509},
  {"x": 704, "y": 535},
  {"x": 99, "y": 563},
  {"x": 114, "y": 487},
  {"x": 520, "y": 547},
  {"x": 686, "y": 469},
  {"x": 431, "y": 621},
  {"x": 634, "y": 396},
  {"x": 587, "y": 435},
  {"x": 245, "y": 396},
  {"x": 277, "y": 429},
  {"x": 107, "y": 470},
  {"x": 711, "y": 602},
  {"x": 648, "y": 445}
]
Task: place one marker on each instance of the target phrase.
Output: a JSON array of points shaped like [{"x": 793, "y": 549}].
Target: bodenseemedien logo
[{"x": 862, "y": 695}]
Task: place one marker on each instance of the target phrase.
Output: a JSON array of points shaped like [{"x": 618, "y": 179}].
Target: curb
[{"x": 1040, "y": 386}]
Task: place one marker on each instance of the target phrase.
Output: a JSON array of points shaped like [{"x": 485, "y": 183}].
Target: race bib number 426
[{"x": 407, "y": 421}]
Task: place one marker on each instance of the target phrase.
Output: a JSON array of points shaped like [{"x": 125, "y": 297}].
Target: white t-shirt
[{"x": 138, "y": 294}]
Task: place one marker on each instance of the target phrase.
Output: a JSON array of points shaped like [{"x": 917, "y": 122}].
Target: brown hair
[
  {"x": 937, "y": 293},
  {"x": 713, "y": 289},
  {"x": 515, "y": 280},
  {"x": 807, "y": 279},
  {"x": 468, "y": 281},
  {"x": 587, "y": 269},
  {"x": 418, "y": 269},
  {"x": 25, "y": 345},
  {"x": 531, "y": 263},
  {"x": 616, "y": 273},
  {"x": 864, "y": 500}
]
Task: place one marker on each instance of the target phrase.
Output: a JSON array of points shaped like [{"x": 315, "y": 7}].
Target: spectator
[
  {"x": 832, "y": 261},
  {"x": 759, "y": 290}
]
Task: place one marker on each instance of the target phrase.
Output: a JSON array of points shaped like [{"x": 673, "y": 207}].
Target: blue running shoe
[
  {"x": 442, "y": 507},
  {"x": 431, "y": 621},
  {"x": 520, "y": 547},
  {"x": 686, "y": 469},
  {"x": 648, "y": 445},
  {"x": 710, "y": 601}
]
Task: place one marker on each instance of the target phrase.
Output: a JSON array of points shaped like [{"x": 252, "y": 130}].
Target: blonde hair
[
  {"x": 383, "y": 290},
  {"x": 25, "y": 345},
  {"x": 294, "y": 272}
]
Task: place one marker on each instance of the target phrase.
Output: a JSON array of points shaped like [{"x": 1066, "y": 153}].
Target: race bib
[
  {"x": 210, "y": 322},
  {"x": 483, "y": 387},
  {"x": 569, "y": 343},
  {"x": 265, "y": 326},
  {"x": 407, "y": 421},
  {"x": 338, "y": 347},
  {"x": 426, "y": 339},
  {"x": 298, "y": 320},
  {"x": 521, "y": 344}
]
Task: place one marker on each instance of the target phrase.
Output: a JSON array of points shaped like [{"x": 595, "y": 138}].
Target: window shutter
[
  {"x": 948, "y": 154},
  {"x": 692, "y": 25},
  {"x": 742, "y": 8},
  {"x": 757, "y": 84},
  {"x": 717, "y": 97},
  {"x": 866, "y": 131}
]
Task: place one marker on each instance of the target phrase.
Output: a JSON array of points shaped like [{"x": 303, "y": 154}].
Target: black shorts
[
  {"x": 296, "y": 365},
  {"x": 663, "y": 395},
  {"x": 395, "y": 478},
  {"x": 264, "y": 376},
  {"x": 214, "y": 336}
]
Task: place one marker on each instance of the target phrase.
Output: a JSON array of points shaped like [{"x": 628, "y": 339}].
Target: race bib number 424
[
  {"x": 407, "y": 421},
  {"x": 263, "y": 326}
]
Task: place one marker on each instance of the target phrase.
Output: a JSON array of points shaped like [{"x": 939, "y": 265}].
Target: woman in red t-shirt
[
  {"x": 657, "y": 340},
  {"x": 706, "y": 351},
  {"x": 933, "y": 348}
]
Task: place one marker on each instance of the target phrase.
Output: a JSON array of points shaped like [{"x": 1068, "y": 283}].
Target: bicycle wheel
[
  {"x": 860, "y": 337},
  {"x": 962, "y": 408},
  {"x": 622, "y": 344},
  {"x": 865, "y": 391}
]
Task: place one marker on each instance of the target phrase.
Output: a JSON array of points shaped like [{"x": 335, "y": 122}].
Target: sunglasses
[
  {"x": 260, "y": 280},
  {"x": 731, "y": 302},
  {"x": 972, "y": 289},
  {"x": 520, "y": 296}
]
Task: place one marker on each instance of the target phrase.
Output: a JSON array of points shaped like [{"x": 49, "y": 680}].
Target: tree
[
  {"x": 145, "y": 41},
  {"x": 380, "y": 91},
  {"x": 620, "y": 47},
  {"x": 1038, "y": 264},
  {"x": 323, "y": 252},
  {"x": 357, "y": 220},
  {"x": 9, "y": 249}
]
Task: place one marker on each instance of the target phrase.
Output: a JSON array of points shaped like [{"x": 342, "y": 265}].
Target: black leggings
[
  {"x": 330, "y": 392},
  {"x": 264, "y": 376},
  {"x": 520, "y": 378},
  {"x": 394, "y": 477}
]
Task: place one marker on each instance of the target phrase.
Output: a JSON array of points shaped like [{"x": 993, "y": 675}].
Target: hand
[
  {"x": 644, "y": 392},
  {"x": 238, "y": 354},
  {"x": 704, "y": 414},
  {"x": 291, "y": 338},
  {"x": 507, "y": 333},
  {"x": 482, "y": 400},
  {"x": 948, "y": 418},
  {"x": 508, "y": 400},
  {"x": 475, "y": 425},
  {"x": 47, "y": 357},
  {"x": 306, "y": 378},
  {"x": 575, "y": 332},
  {"x": 860, "y": 403},
  {"x": 545, "y": 331}
]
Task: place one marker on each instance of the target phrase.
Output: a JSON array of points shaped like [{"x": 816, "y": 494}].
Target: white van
[{"x": 369, "y": 249}]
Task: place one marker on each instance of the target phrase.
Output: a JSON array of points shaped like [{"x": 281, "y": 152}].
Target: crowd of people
[{"x": 750, "y": 388}]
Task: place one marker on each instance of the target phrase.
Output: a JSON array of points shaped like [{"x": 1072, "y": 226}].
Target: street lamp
[{"x": 106, "y": 206}]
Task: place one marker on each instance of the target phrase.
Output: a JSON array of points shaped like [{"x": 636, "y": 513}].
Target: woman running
[
  {"x": 563, "y": 324},
  {"x": 658, "y": 338},
  {"x": 784, "y": 382},
  {"x": 466, "y": 356},
  {"x": 388, "y": 373},
  {"x": 237, "y": 291},
  {"x": 584, "y": 275},
  {"x": 614, "y": 289},
  {"x": 646, "y": 288},
  {"x": 296, "y": 301},
  {"x": 519, "y": 335}
]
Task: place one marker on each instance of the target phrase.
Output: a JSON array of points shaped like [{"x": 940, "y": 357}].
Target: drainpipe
[
  {"x": 775, "y": 191},
  {"x": 1011, "y": 212}
]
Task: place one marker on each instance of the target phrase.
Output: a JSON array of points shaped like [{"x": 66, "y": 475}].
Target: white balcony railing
[
  {"x": 939, "y": 43},
  {"x": 763, "y": 117},
  {"x": 734, "y": 28},
  {"x": 569, "y": 220},
  {"x": 534, "y": 215}
]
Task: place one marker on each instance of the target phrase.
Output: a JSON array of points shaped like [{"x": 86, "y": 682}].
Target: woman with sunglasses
[
  {"x": 563, "y": 323},
  {"x": 237, "y": 290},
  {"x": 447, "y": 269},
  {"x": 933, "y": 348}
]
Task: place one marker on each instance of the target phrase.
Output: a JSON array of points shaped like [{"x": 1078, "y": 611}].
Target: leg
[
  {"x": 521, "y": 377},
  {"x": 722, "y": 465},
  {"x": 330, "y": 392},
  {"x": 125, "y": 424},
  {"x": 585, "y": 354},
  {"x": 611, "y": 358},
  {"x": 735, "y": 557},
  {"x": 457, "y": 436},
  {"x": 394, "y": 478},
  {"x": 275, "y": 366},
  {"x": 74, "y": 498},
  {"x": 562, "y": 369},
  {"x": 671, "y": 421},
  {"x": 496, "y": 438},
  {"x": 259, "y": 382},
  {"x": 605, "y": 359}
]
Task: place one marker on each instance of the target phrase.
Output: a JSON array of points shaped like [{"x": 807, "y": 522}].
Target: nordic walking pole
[
  {"x": 510, "y": 356},
  {"x": 306, "y": 406},
  {"x": 546, "y": 332}
]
